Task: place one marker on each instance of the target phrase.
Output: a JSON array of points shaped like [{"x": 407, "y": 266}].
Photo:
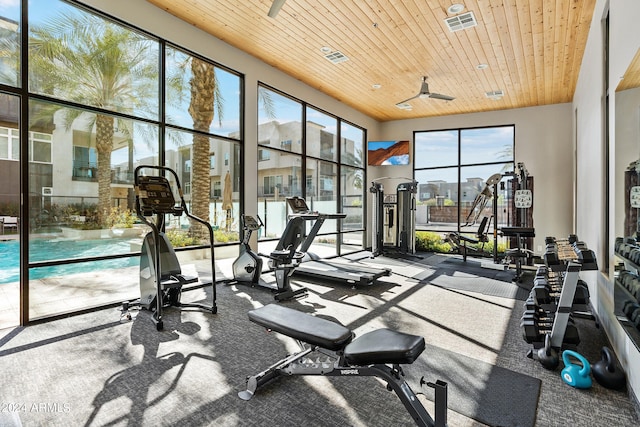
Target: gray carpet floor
[{"x": 99, "y": 369}]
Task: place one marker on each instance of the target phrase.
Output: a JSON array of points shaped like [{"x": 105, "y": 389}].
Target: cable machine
[{"x": 394, "y": 220}]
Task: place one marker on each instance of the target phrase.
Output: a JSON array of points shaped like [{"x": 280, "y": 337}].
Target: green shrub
[
  {"x": 223, "y": 236},
  {"x": 428, "y": 241},
  {"x": 120, "y": 218},
  {"x": 180, "y": 238}
]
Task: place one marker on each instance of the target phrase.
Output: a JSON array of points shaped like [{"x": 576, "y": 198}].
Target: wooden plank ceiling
[{"x": 532, "y": 48}]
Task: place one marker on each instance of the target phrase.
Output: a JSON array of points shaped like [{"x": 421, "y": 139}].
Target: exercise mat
[{"x": 489, "y": 394}]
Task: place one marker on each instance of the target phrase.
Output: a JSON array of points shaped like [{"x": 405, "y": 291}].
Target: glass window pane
[
  {"x": 4, "y": 146},
  {"x": 476, "y": 197},
  {"x": 10, "y": 211},
  {"x": 218, "y": 93},
  {"x": 279, "y": 121},
  {"x": 437, "y": 199},
  {"x": 486, "y": 145},
  {"x": 278, "y": 177},
  {"x": 352, "y": 242},
  {"x": 352, "y": 145},
  {"x": 322, "y": 190},
  {"x": 321, "y": 138},
  {"x": 353, "y": 197},
  {"x": 41, "y": 151},
  {"x": 86, "y": 284},
  {"x": 435, "y": 149},
  {"x": 101, "y": 63},
  {"x": 10, "y": 43},
  {"x": 211, "y": 190},
  {"x": 69, "y": 199}
]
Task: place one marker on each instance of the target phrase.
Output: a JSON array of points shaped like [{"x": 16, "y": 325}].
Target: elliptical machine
[
  {"x": 247, "y": 268},
  {"x": 161, "y": 278}
]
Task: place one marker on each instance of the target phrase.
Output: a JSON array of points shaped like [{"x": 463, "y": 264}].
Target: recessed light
[
  {"x": 455, "y": 8},
  {"x": 404, "y": 106},
  {"x": 482, "y": 66},
  {"x": 325, "y": 49},
  {"x": 376, "y": 86}
]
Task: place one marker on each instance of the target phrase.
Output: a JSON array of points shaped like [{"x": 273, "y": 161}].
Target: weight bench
[{"x": 377, "y": 353}]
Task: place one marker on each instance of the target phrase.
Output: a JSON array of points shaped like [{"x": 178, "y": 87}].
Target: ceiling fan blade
[
  {"x": 439, "y": 96},
  {"x": 407, "y": 100},
  {"x": 275, "y": 8}
]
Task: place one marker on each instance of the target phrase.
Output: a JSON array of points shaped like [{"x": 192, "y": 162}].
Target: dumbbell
[
  {"x": 572, "y": 238},
  {"x": 541, "y": 294},
  {"x": 630, "y": 309},
  {"x": 531, "y": 332},
  {"x": 616, "y": 245},
  {"x": 633, "y": 286},
  {"x": 541, "y": 272},
  {"x": 626, "y": 249},
  {"x": 544, "y": 320},
  {"x": 634, "y": 255},
  {"x": 531, "y": 304},
  {"x": 581, "y": 295},
  {"x": 540, "y": 316},
  {"x": 625, "y": 275}
]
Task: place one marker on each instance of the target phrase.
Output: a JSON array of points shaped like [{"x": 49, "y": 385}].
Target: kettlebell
[
  {"x": 547, "y": 355},
  {"x": 607, "y": 372},
  {"x": 575, "y": 375}
]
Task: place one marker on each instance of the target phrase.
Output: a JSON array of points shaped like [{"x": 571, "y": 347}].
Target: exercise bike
[
  {"x": 247, "y": 268},
  {"x": 161, "y": 277}
]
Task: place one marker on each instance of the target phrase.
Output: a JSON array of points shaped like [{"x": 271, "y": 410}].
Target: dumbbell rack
[
  {"x": 564, "y": 260},
  {"x": 627, "y": 287}
]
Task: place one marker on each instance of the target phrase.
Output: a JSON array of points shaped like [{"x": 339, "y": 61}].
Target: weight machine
[{"x": 394, "y": 220}]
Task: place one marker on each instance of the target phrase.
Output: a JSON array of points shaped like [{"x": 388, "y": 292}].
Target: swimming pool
[{"x": 44, "y": 250}]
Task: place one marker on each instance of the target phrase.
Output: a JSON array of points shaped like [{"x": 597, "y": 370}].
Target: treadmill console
[{"x": 298, "y": 205}]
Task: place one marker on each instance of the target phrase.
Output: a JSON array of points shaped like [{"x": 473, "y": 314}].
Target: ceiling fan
[
  {"x": 424, "y": 93},
  {"x": 275, "y": 8}
]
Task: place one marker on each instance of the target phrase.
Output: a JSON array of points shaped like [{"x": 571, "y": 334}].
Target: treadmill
[{"x": 317, "y": 268}]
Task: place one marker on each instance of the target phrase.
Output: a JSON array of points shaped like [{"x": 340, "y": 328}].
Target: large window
[
  {"x": 307, "y": 152},
  {"x": 452, "y": 168},
  {"x": 10, "y": 40},
  {"x": 95, "y": 114}
]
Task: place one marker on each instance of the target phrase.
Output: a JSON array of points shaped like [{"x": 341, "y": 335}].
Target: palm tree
[
  {"x": 91, "y": 61},
  {"x": 205, "y": 101},
  {"x": 205, "y": 96}
]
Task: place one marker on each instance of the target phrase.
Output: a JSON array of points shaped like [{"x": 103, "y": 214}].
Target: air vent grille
[
  {"x": 461, "y": 22},
  {"x": 404, "y": 106},
  {"x": 336, "y": 57},
  {"x": 494, "y": 94}
]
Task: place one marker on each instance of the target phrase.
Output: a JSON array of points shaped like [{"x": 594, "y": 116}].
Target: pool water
[{"x": 45, "y": 250}]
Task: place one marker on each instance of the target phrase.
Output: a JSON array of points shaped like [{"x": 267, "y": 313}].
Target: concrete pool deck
[
  {"x": 59, "y": 295},
  {"x": 53, "y": 296}
]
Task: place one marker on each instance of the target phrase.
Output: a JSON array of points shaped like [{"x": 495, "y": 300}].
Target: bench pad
[
  {"x": 384, "y": 346},
  {"x": 302, "y": 326}
]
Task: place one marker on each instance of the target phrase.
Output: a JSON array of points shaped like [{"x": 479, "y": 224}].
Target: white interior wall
[
  {"x": 542, "y": 141},
  {"x": 589, "y": 101}
]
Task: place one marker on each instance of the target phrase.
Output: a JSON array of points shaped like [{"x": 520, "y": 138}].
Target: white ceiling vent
[
  {"x": 460, "y": 22},
  {"x": 336, "y": 57},
  {"x": 404, "y": 106},
  {"x": 495, "y": 94}
]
